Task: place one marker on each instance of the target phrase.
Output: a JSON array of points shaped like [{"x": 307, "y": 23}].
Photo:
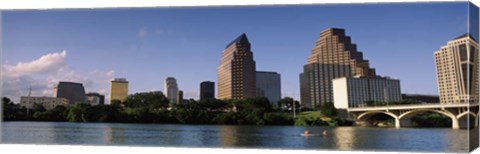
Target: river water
[{"x": 222, "y": 136}]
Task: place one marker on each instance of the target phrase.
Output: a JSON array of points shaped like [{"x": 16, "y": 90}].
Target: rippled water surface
[{"x": 219, "y": 136}]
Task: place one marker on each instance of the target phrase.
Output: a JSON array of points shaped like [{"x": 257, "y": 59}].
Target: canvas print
[{"x": 342, "y": 77}]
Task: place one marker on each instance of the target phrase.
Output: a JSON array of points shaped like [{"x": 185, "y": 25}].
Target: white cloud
[
  {"x": 43, "y": 73},
  {"x": 44, "y": 64}
]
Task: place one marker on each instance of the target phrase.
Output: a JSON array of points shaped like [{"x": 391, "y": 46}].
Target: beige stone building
[
  {"x": 236, "y": 72},
  {"x": 457, "y": 71},
  {"x": 47, "y": 102},
  {"x": 333, "y": 56},
  {"x": 118, "y": 89}
]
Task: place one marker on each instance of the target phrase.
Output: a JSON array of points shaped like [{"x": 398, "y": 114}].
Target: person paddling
[
  {"x": 324, "y": 133},
  {"x": 306, "y": 133}
]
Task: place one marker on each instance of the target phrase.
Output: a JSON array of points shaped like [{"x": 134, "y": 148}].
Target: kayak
[{"x": 310, "y": 134}]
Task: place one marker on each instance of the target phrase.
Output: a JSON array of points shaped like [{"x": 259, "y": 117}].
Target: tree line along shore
[{"x": 154, "y": 107}]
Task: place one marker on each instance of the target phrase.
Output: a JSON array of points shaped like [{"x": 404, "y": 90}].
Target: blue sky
[{"x": 149, "y": 44}]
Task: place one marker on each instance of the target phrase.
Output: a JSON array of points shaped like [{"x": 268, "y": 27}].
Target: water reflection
[
  {"x": 227, "y": 136},
  {"x": 108, "y": 135},
  {"x": 278, "y": 137},
  {"x": 344, "y": 138}
]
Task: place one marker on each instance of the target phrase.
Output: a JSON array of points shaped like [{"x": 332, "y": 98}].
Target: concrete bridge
[{"x": 459, "y": 113}]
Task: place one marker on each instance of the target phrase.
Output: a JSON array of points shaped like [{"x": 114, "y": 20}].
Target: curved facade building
[
  {"x": 171, "y": 89},
  {"x": 457, "y": 66},
  {"x": 73, "y": 92}
]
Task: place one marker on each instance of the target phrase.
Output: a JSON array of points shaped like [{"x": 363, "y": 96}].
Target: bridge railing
[{"x": 411, "y": 105}]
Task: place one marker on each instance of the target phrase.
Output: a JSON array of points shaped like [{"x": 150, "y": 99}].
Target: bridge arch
[
  {"x": 366, "y": 115},
  {"x": 467, "y": 119},
  {"x": 411, "y": 113},
  {"x": 466, "y": 113}
]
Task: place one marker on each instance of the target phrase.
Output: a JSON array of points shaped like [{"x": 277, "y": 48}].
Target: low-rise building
[
  {"x": 355, "y": 91},
  {"x": 95, "y": 99},
  {"x": 47, "y": 102},
  {"x": 268, "y": 85}
]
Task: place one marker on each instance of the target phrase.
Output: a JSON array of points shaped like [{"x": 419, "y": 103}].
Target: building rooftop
[
  {"x": 67, "y": 82},
  {"x": 466, "y": 35},
  {"x": 119, "y": 80},
  {"x": 334, "y": 30},
  {"x": 267, "y": 72},
  {"x": 170, "y": 78},
  {"x": 242, "y": 39},
  {"x": 94, "y": 93}
]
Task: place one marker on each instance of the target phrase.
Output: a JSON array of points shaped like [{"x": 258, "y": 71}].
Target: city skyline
[{"x": 155, "y": 46}]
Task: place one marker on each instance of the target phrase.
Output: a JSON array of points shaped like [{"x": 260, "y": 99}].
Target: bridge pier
[
  {"x": 397, "y": 123},
  {"x": 476, "y": 120},
  {"x": 455, "y": 123}
]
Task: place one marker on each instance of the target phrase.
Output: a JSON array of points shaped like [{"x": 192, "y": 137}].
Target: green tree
[
  {"x": 115, "y": 102},
  {"x": 286, "y": 102},
  {"x": 153, "y": 100},
  {"x": 12, "y": 111},
  {"x": 213, "y": 104},
  {"x": 278, "y": 119},
  {"x": 328, "y": 109},
  {"x": 77, "y": 113}
]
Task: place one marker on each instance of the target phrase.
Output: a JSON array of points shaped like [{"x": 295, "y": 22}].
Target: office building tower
[
  {"x": 207, "y": 90},
  {"x": 457, "y": 71},
  {"x": 351, "y": 92},
  {"x": 171, "y": 89},
  {"x": 118, "y": 89},
  {"x": 95, "y": 99},
  {"x": 334, "y": 56},
  {"x": 269, "y": 86},
  {"x": 179, "y": 97},
  {"x": 73, "y": 92},
  {"x": 236, "y": 72}
]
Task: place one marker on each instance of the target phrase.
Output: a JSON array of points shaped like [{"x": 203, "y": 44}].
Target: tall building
[
  {"x": 73, "y": 92},
  {"x": 269, "y": 86},
  {"x": 179, "y": 97},
  {"x": 95, "y": 99},
  {"x": 118, "y": 89},
  {"x": 333, "y": 56},
  {"x": 457, "y": 71},
  {"x": 355, "y": 91},
  {"x": 47, "y": 102},
  {"x": 171, "y": 89},
  {"x": 236, "y": 72},
  {"x": 207, "y": 90}
]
